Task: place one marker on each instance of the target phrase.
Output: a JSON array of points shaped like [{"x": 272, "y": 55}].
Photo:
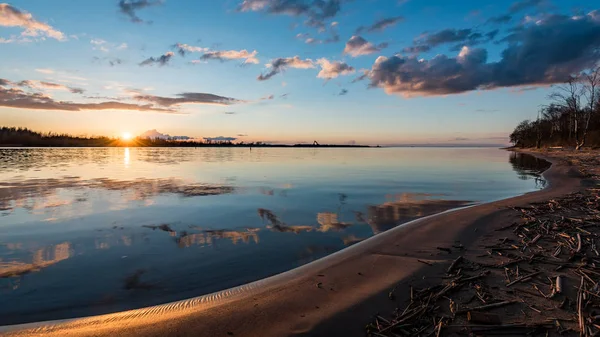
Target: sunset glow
[{"x": 126, "y": 136}]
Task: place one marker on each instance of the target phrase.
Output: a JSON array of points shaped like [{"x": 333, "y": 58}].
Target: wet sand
[{"x": 336, "y": 295}]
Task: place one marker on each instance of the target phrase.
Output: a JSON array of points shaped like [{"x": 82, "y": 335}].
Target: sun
[{"x": 126, "y": 136}]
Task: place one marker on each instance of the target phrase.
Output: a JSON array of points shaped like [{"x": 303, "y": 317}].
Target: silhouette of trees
[
  {"x": 571, "y": 119},
  {"x": 11, "y": 136}
]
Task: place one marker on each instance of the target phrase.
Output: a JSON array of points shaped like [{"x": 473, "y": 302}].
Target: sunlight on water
[{"x": 89, "y": 231}]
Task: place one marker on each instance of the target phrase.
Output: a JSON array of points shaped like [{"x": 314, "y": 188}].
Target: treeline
[
  {"x": 572, "y": 119},
  {"x": 11, "y": 136}
]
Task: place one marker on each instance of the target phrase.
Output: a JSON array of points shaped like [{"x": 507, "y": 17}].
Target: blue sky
[{"x": 72, "y": 44}]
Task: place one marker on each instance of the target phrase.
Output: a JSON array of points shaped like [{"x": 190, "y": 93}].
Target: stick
[
  {"x": 578, "y": 243},
  {"x": 454, "y": 263},
  {"x": 580, "y": 309},
  {"x": 523, "y": 278},
  {"x": 488, "y": 306},
  {"x": 427, "y": 263},
  {"x": 439, "y": 329},
  {"x": 447, "y": 250},
  {"x": 483, "y": 318},
  {"x": 559, "y": 284}
]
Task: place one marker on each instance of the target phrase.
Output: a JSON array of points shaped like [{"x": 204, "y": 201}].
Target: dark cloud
[
  {"x": 446, "y": 36},
  {"x": 417, "y": 49},
  {"x": 358, "y": 46},
  {"x": 230, "y": 112},
  {"x": 542, "y": 53},
  {"x": 161, "y": 60},
  {"x": 220, "y": 139},
  {"x": 380, "y": 25},
  {"x": 17, "y": 98},
  {"x": 343, "y": 92},
  {"x": 500, "y": 19},
  {"x": 281, "y": 64},
  {"x": 187, "y": 98},
  {"x": 129, "y": 8},
  {"x": 521, "y": 5},
  {"x": 4, "y": 82},
  {"x": 315, "y": 11},
  {"x": 242, "y": 135},
  {"x": 463, "y": 37}
]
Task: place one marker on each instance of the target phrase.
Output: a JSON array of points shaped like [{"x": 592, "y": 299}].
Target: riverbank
[
  {"x": 337, "y": 295},
  {"x": 537, "y": 274}
]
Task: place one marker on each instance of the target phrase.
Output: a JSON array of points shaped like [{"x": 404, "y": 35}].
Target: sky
[{"x": 288, "y": 71}]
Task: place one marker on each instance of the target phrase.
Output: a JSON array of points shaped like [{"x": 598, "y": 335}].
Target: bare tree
[
  {"x": 568, "y": 96},
  {"x": 590, "y": 91}
]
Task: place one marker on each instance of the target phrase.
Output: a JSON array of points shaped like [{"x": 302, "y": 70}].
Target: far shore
[{"x": 342, "y": 293}]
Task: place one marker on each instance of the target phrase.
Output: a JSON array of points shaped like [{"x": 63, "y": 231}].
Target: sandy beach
[{"x": 337, "y": 295}]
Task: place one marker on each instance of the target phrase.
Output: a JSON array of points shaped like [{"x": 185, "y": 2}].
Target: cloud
[
  {"x": 521, "y": 5},
  {"x": 358, "y": 46},
  {"x": 99, "y": 44},
  {"x": 343, "y": 92},
  {"x": 542, "y": 53},
  {"x": 500, "y": 19},
  {"x": 463, "y": 37},
  {"x": 446, "y": 36},
  {"x": 230, "y": 112},
  {"x": 161, "y": 60},
  {"x": 380, "y": 25},
  {"x": 129, "y": 8},
  {"x": 154, "y": 134},
  {"x": 460, "y": 139},
  {"x": 417, "y": 49},
  {"x": 242, "y": 135},
  {"x": 269, "y": 97},
  {"x": 17, "y": 98},
  {"x": 221, "y": 55},
  {"x": 183, "y": 49},
  {"x": 187, "y": 98},
  {"x": 333, "y": 69},
  {"x": 45, "y": 71},
  {"x": 122, "y": 46},
  {"x": 281, "y": 64},
  {"x": 48, "y": 85},
  {"x": 13, "y": 17},
  {"x": 112, "y": 61},
  {"x": 315, "y": 11},
  {"x": 220, "y": 139},
  {"x": 335, "y": 37},
  {"x": 224, "y": 55}
]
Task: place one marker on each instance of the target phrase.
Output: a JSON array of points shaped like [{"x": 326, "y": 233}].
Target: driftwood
[
  {"x": 483, "y": 318},
  {"x": 559, "y": 234}
]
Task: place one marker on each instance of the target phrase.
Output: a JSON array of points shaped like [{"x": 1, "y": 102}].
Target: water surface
[{"x": 90, "y": 231}]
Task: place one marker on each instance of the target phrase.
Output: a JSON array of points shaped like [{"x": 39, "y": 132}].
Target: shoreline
[{"x": 333, "y": 295}]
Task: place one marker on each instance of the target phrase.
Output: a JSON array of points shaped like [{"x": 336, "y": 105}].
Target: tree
[{"x": 590, "y": 91}]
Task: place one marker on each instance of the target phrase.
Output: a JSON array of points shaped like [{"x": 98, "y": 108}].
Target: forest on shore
[
  {"x": 570, "y": 119},
  {"x": 23, "y": 137}
]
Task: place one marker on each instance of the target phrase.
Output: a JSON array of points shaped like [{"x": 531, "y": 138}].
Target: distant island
[{"x": 23, "y": 137}]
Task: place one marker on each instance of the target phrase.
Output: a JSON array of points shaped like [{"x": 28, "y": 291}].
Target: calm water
[{"x": 91, "y": 231}]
